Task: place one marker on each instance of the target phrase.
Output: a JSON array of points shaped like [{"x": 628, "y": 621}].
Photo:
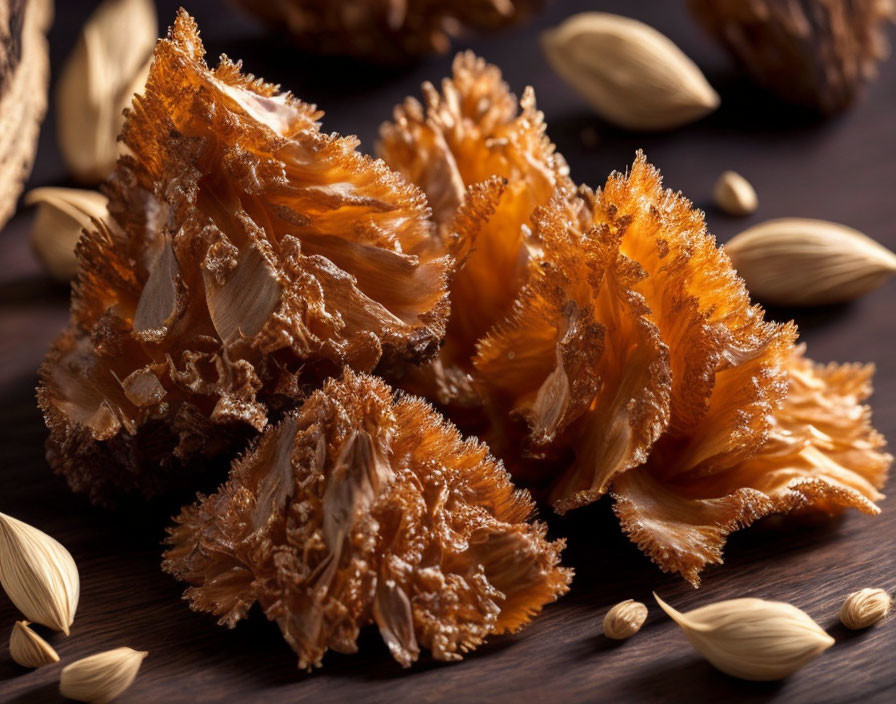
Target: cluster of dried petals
[
  {"x": 485, "y": 164},
  {"x": 248, "y": 254},
  {"x": 356, "y": 510},
  {"x": 816, "y": 53},
  {"x": 386, "y": 30},
  {"x": 634, "y": 363}
]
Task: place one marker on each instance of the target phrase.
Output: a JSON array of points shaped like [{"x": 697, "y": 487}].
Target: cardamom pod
[
  {"x": 102, "y": 677},
  {"x": 631, "y": 74},
  {"x": 802, "y": 262},
  {"x": 108, "y": 65},
  {"x": 735, "y": 195},
  {"x": 38, "y": 574},
  {"x": 62, "y": 214},
  {"x": 28, "y": 649},
  {"x": 864, "y": 608},
  {"x": 625, "y": 619},
  {"x": 752, "y": 639}
]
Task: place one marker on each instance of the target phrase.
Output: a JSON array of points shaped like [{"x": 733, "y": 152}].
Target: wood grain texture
[{"x": 842, "y": 169}]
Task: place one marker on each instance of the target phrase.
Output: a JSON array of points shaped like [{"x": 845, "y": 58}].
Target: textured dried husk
[
  {"x": 28, "y": 649},
  {"x": 752, "y": 639},
  {"x": 356, "y": 510},
  {"x": 631, "y": 74},
  {"x": 98, "y": 80},
  {"x": 101, "y": 678},
  {"x": 485, "y": 164},
  {"x": 248, "y": 255},
  {"x": 634, "y": 362},
  {"x": 815, "y": 53},
  {"x": 391, "y": 31},
  {"x": 24, "y": 77},
  {"x": 864, "y": 608}
]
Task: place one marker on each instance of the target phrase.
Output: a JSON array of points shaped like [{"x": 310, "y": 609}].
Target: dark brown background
[{"x": 843, "y": 169}]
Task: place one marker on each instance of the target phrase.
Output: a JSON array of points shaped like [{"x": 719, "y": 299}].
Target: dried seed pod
[
  {"x": 625, "y": 619},
  {"x": 752, "y": 639},
  {"x": 247, "y": 255},
  {"x": 24, "y": 75},
  {"x": 108, "y": 65},
  {"x": 62, "y": 216},
  {"x": 864, "y": 608},
  {"x": 815, "y": 53},
  {"x": 28, "y": 649},
  {"x": 358, "y": 509},
  {"x": 735, "y": 195},
  {"x": 803, "y": 262},
  {"x": 635, "y": 363},
  {"x": 631, "y": 74},
  {"x": 100, "y": 678},
  {"x": 386, "y": 30},
  {"x": 485, "y": 164},
  {"x": 38, "y": 575}
]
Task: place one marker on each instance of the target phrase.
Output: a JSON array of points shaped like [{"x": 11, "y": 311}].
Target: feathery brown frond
[
  {"x": 249, "y": 254},
  {"x": 357, "y": 509}
]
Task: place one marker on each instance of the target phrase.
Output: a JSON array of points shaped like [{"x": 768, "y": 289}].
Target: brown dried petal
[
  {"x": 248, "y": 255},
  {"x": 579, "y": 359},
  {"x": 358, "y": 509},
  {"x": 386, "y": 30},
  {"x": 822, "y": 454}
]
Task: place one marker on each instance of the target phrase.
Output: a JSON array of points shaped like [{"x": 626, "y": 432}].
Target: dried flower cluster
[
  {"x": 816, "y": 53},
  {"x": 386, "y": 30},
  {"x": 356, "y": 509},
  {"x": 647, "y": 363},
  {"x": 247, "y": 253},
  {"x": 485, "y": 164}
]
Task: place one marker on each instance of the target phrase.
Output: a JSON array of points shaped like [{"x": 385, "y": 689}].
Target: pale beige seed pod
[
  {"x": 62, "y": 215},
  {"x": 100, "y": 678},
  {"x": 107, "y": 66},
  {"x": 864, "y": 608},
  {"x": 800, "y": 261},
  {"x": 28, "y": 649},
  {"x": 633, "y": 76},
  {"x": 38, "y": 574},
  {"x": 735, "y": 195},
  {"x": 752, "y": 639},
  {"x": 625, "y": 619}
]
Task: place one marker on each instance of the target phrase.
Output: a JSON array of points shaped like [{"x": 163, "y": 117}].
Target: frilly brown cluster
[
  {"x": 249, "y": 254},
  {"x": 816, "y": 53},
  {"x": 386, "y": 30},
  {"x": 634, "y": 363},
  {"x": 485, "y": 164},
  {"x": 357, "y": 509}
]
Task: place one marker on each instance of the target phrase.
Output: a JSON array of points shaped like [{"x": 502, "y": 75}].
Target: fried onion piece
[
  {"x": 357, "y": 509},
  {"x": 475, "y": 132},
  {"x": 249, "y": 255}
]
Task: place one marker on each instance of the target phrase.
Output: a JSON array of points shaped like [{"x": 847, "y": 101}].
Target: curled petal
[
  {"x": 821, "y": 454},
  {"x": 579, "y": 359}
]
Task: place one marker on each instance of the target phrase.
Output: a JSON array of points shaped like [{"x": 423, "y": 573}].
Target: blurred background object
[
  {"x": 24, "y": 72},
  {"x": 391, "y": 31},
  {"x": 108, "y": 65},
  {"x": 814, "y": 53}
]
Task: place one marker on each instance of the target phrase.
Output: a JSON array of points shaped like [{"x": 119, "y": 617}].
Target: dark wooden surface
[{"x": 842, "y": 169}]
